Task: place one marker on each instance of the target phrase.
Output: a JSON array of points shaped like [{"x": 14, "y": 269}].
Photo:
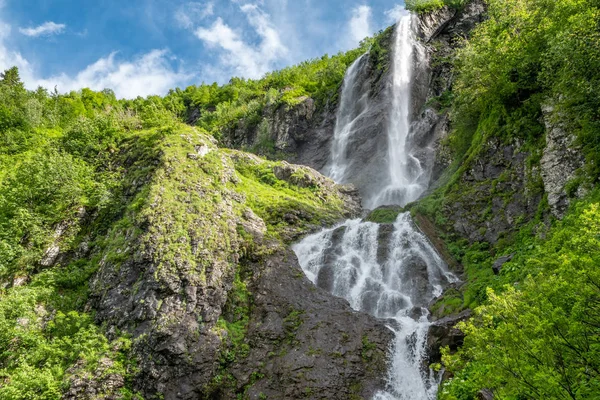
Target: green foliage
[
  {"x": 42, "y": 335},
  {"x": 284, "y": 206},
  {"x": 368, "y": 349},
  {"x": 424, "y": 6},
  {"x": 540, "y": 338},
  {"x": 529, "y": 53},
  {"x": 56, "y": 169}
]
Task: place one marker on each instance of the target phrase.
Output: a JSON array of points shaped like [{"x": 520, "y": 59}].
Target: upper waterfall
[
  {"x": 400, "y": 176},
  {"x": 407, "y": 177},
  {"x": 353, "y": 104}
]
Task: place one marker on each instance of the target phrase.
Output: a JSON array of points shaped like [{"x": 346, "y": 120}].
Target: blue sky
[{"x": 143, "y": 47}]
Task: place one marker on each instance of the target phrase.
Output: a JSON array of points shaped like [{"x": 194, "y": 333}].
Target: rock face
[
  {"x": 101, "y": 384},
  {"x": 440, "y": 32},
  {"x": 497, "y": 188},
  {"x": 442, "y": 333},
  {"x": 299, "y": 133},
  {"x": 559, "y": 163},
  {"x": 199, "y": 276},
  {"x": 321, "y": 342},
  {"x": 497, "y": 193}
]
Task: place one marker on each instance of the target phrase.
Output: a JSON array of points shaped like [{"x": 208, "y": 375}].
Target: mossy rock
[{"x": 384, "y": 215}]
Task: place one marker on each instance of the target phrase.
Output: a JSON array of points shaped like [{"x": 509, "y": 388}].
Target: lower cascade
[{"x": 390, "y": 271}]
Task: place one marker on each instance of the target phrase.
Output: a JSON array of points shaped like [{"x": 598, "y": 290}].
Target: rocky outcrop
[
  {"x": 320, "y": 351},
  {"x": 559, "y": 163},
  {"x": 198, "y": 275},
  {"x": 102, "y": 383},
  {"x": 495, "y": 194},
  {"x": 299, "y": 133},
  {"x": 444, "y": 333}
]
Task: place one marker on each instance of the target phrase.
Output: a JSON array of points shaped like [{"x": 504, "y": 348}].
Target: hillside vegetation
[
  {"x": 535, "y": 333},
  {"x": 75, "y": 169}
]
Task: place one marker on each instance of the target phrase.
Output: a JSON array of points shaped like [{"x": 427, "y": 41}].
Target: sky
[{"x": 146, "y": 47}]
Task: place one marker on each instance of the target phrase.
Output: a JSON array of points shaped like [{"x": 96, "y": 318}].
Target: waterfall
[
  {"x": 390, "y": 275},
  {"x": 401, "y": 177},
  {"x": 390, "y": 271},
  {"x": 407, "y": 177},
  {"x": 353, "y": 104}
]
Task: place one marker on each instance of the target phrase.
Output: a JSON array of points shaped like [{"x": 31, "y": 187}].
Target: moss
[
  {"x": 355, "y": 390},
  {"x": 367, "y": 349},
  {"x": 291, "y": 323},
  {"x": 283, "y": 206},
  {"x": 384, "y": 215},
  {"x": 451, "y": 302},
  {"x": 379, "y": 53}
]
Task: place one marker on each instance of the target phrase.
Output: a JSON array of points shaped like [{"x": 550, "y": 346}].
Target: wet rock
[
  {"x": 320, "y": 339},
  {"x": 443, "y": 333}
]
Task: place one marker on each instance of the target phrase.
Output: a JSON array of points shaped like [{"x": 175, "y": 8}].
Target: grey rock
[
  {"x": 298, "y": 336},
  {"x": 101, "y": 384},
  {"x": 496, "y": 197},
  {"x": 322, "y": 351},
  {"x": 485, "y": 394},
  {"x": 559, "y": 163},
  {"x": 497, "y": 266},
  {"x": 443, "y": 333}
]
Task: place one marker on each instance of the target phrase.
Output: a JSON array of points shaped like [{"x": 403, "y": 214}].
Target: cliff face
[
  {"x": 501, "y": 184},
  {"x": 198, "y": 274},
  {"x": 303, "y": 133}
]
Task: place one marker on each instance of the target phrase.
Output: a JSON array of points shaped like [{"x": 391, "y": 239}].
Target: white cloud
[
  {"x": 246, "y": 59},
  {"x": 148, "y": 74},
  {"x": 360, "y": 23},
  {"x": 8, "y": 57},
  {"x": 151, "y": 73},
  {"x": 46, "y": 29},
  {"x": 395, "y": 13},
  {"x": 192, "y": 12}
]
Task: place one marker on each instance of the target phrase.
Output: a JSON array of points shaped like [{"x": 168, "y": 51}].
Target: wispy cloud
[
  {"x": 243, "y": 58},
  {"x": 190, "y": 13},
  {"x": 360, "y": 23},
  {"x": 395, "y": 13},
  {"x": 46, "y": 29}
]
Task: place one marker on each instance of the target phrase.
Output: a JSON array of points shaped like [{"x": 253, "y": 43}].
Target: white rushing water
[
  {"x": 395, "y": 282},
  {"x": 407, "y": 177},
  {"x": 353, "y": 104},
  {"x": 404, "y": 179},
  {"x": 390, "y": 273}
]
